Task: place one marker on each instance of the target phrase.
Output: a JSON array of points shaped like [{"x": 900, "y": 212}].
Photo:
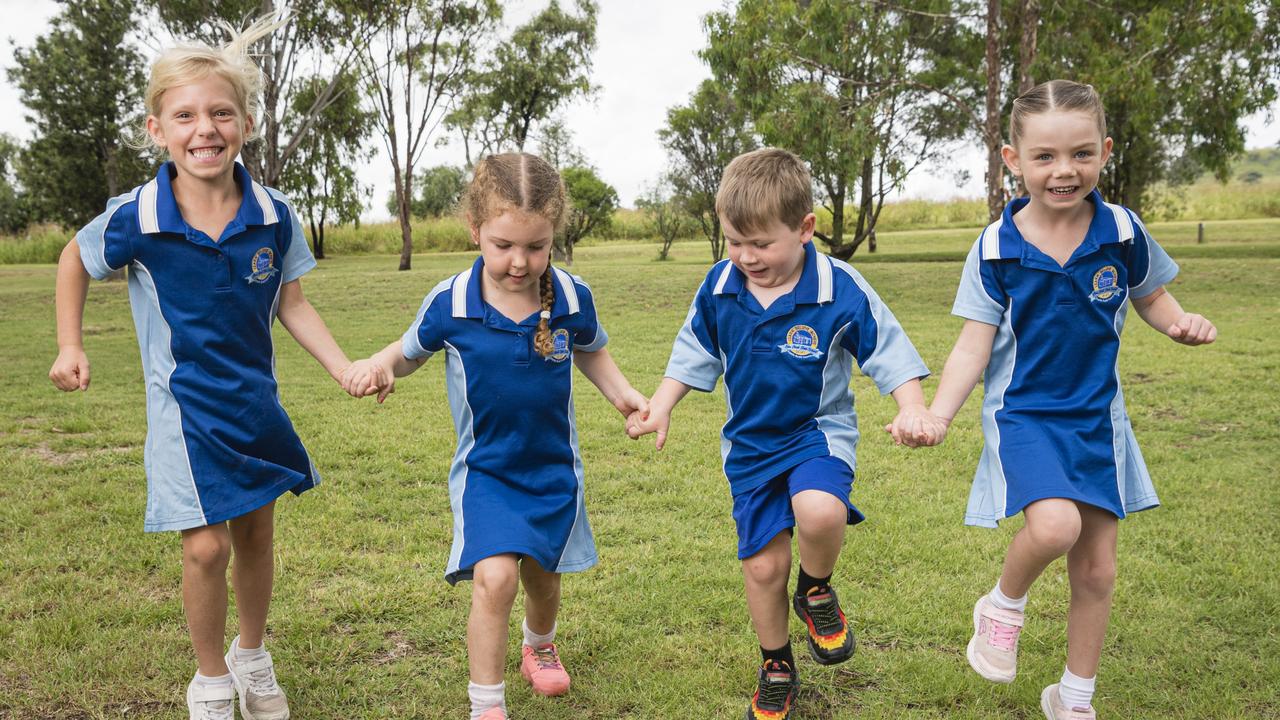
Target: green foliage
[
  {"x": 591, "y": 205},
  {"x": 82, "y": 84},
  {"x": 701, "y": 138},
  {"x": 543, "y": 65},
  {"x": 442, "y": 187},
  {"x": 321, "y": 180},
  {"x": 13, "y": 211},
  {"x": 667, "y": 216},
  {"x": 1176, "y": 77},
  {"x": 863, "y": 91}
]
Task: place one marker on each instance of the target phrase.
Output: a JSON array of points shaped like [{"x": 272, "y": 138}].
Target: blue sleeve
[
  {"x": 695, "y": 357},
  {"x": 298, "y": 260},
  {"x": 1150, "y": 267},
  {"x": 875, "y": 338},
  {"x": 425, "y": 336},
  {"x": 980, "y": 295},
  {"x": 592, "y": 337},
  {"x": 105, "y": 243}
]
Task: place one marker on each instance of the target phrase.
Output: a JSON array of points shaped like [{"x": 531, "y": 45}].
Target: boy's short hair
[{"x": 762, "y": 186}]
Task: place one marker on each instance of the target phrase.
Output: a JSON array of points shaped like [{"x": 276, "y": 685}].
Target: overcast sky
[{"x": 646, "y": 62}]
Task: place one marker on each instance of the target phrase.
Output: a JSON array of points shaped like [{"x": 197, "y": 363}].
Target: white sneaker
[
  {"x": 261, "y": 697},
  {"x": 216, "y": 702}
]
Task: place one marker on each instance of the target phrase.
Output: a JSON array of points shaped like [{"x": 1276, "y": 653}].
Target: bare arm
[
  {"x": 304, "y": 324},
  {"x": 664, "y": 400},
  {"x": 603, "y": 372},
  {"x": 914, "y": 425},
  {"x": 70, "y": 370},
  {"x": 1161, "y": 311},
  {"x": 964, "y": 366}
]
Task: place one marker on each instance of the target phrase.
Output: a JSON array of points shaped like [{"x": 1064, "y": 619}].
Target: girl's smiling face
[
  {"x": 202, "y": 126},
  {"x": 1059, "y": 156},
  {"x": 516, "y": 247}
]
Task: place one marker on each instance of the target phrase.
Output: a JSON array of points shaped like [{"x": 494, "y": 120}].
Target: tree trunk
[
  {"x": 1027, "y": 48},
  {"x": 717, "y": 240},
  {"x": 991, "y": 128},
  {"x": 406, "y": 227},
  {"x": 568, "y": 252},
  {"x": 317, "y": 239}
]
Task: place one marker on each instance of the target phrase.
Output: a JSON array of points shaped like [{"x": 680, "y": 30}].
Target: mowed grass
[{"x": 363, "y": 625}]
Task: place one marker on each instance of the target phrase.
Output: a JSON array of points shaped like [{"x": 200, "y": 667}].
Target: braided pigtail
[{"x": 542, "y": 339}]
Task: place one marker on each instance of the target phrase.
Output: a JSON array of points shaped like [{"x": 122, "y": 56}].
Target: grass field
[{"x": 363, "y": 625}]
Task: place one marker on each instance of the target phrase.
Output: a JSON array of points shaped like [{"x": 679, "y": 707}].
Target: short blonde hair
[
  {"x": 762, "y": 186},
  {"x": 187, "y": 63},
  {"x": 1060, "y": 95}
]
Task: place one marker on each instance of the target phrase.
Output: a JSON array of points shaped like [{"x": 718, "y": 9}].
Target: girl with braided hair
[{"x": 508, "y": 327}]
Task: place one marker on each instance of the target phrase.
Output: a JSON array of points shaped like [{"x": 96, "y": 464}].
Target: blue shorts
[{"x": 762, "y": 512}]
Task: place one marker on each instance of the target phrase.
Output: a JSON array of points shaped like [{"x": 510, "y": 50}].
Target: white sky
[{"x": 645, "y": 63}]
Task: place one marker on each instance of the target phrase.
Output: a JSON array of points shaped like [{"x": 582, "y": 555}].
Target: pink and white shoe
[
  {"x": 541, "y": 667},
  {"x": 1054, "y": 709},
  {"x": 993, "y": 649},
  {"x": 494, "y": 713}
]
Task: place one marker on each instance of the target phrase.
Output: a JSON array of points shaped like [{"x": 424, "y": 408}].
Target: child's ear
[
  {"x": 248, "y": 125},
  {"x": 1106, "y": 150},
  {"x": 475, "y": 231},
  {"x": 1010, "y": 157},
  {"x": 807, "y": 226},
  {"x": 155, "y": 131}
]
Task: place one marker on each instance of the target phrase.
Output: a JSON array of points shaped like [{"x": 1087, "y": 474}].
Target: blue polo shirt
[
  {"x": 1053, "y": 412},
  {"x": 218, "y": 442},
  {"x": 516, "y": 483},
  {"x": 787, "y": 368}
]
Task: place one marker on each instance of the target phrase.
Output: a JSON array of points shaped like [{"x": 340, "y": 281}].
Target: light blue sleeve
[
  {"x": 695, "y": 356},
  {"x": 593, "y": 337},
  {"x": 978, "y": 297},
  {"x": 1150, "y": 267},
  {"x": 425, "y": 336},
  {"x": 876, "y": 338},
  {"x": 298, "y": 260},
  {"x": 105, "y": 246}
]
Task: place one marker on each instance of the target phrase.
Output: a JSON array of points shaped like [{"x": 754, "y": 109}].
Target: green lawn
[{"x": 363, "y": 625}]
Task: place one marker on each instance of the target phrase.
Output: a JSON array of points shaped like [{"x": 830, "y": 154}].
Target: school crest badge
[
  {"x": 559, "y": 346},
  {"x": 1105, "y": 284},
  {"x": 262, "y": 266},
  {"x": 802, "y": 342}
]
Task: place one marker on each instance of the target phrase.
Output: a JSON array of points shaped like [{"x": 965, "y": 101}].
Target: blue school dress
[
  {"x": 219, "y": 444},
  {"x": 515, "y": 485},
  {"x": 1053, "y": 415}
]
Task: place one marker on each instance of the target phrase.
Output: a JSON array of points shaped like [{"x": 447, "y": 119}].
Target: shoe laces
[
  {"x": 773, "y": 693},
  {"x": 263, "y": 682},
  {"x": 215, "y": 710},
  {"x": 547, "y": 657},
  {"x": 825, "y": 613},
  {"x": 1003, "y": 636}
]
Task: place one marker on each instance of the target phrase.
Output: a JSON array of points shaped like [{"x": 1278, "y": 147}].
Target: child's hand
[
  {"x": 70, "y": 370},
  {"x": 630, "y": 402},
  {"x": 651, "y": 421},
  {"x": 366, "y": 377},
  {"x": 1192, "y": 329},
  {"x": 915, "y": 426}
]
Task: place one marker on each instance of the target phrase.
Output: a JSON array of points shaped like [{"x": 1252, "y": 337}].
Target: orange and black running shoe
[
  {"x": 776, "y": 689},
  {"x": 830, "y": 640}
]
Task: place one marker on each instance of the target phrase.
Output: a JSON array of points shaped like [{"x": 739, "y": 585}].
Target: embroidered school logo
[
  {"x": 802, "y": 342},
  {"x": 262, "y": 265},
  {"x": 559, "y": 346},
  {"x": 1105, "y": 284}
]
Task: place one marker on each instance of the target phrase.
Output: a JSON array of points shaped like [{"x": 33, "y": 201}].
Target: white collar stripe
[
  {"x": 1124, "y": 227},
  {"x": 825, "y": 293},
  {"x": 724, "y": 278},
  {"x": 460, "y": 294},
  {"x": 991, "y": 241},
  {"x": 269, "y": 216},
  {"x": 147, "y": 217},
  {"x": 566, "y": 287}
]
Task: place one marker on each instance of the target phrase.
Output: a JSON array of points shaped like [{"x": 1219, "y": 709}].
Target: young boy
[{"x": 784, "y": 323}]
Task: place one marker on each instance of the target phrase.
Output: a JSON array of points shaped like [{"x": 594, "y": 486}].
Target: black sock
[
  {"x": 807, "y": 582},
  {"x": 782, "y": 654}
]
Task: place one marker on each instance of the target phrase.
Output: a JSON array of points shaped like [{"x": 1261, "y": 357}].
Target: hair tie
[{"x": 545, "y": 314}]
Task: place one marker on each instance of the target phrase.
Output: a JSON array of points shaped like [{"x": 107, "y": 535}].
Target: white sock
[
  {"x": 1075, "y": 691},
  {"x": 533, "y": 639},
  {"x": 244, "y": 653},
  {"x": 206, "y": 681},
  {"x": 484, "y": 697},
  {"x": 1004, "y": 602}
]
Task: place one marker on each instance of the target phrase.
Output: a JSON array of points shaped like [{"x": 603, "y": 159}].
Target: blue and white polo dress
[
  {"x": 1053, "y": 414},
  {"x": 219, "y": 444},
  {"x": 787, "y": 368},
  {"x": 515, "y": 485}
]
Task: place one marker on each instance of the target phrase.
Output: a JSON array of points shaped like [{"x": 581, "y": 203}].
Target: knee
[
  {"x": 1054, "y": 533},
  {"x": 1095, "y": 577},
  {"x": 765, "y": 569},
  {"x": 207, "y": 551},
  {"x": 494, "y": 585},
  {"x": 828, "y": 516}
]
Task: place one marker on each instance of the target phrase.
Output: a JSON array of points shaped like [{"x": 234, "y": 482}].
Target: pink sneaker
[
  {"x": 1051, "y": 704},
  {"x": 494, "y": 713},
  {"x": 541, "y": 667},
  {"x": 993, "y": 649}
]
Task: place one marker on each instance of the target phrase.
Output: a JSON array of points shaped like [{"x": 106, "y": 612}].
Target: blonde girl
[
  {"x": 510, "y": 327},
  {"x": 213, "y": 259}
]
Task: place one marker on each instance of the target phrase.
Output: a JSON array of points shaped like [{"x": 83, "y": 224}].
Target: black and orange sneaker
[
  {"x": 830, "y": 640},
  {"x": 776, "y": 689}
]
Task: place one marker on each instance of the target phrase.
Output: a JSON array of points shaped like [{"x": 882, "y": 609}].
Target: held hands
[
  {"x": 1192, "y": 329},
  {"x": 367, "y": 377},
  {"x": 915, "y": 426},
  {"x": 651, "y": 420},
  {"x": 70, "y": 370}
]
